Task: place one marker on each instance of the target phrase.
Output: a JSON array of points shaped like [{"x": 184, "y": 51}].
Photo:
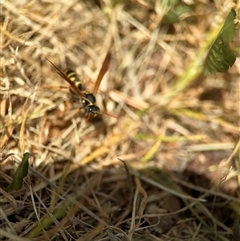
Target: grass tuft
[{"x": 162, "y": 160}]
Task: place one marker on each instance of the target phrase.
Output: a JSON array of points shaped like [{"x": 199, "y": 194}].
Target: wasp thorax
[{"x": 90, "y": 98}]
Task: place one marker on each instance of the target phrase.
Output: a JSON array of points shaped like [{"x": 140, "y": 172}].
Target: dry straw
[{"x": 176, "y": 131}]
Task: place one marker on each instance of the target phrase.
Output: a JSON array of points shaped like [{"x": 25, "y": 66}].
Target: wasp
[{"x": 88, "y": 98}]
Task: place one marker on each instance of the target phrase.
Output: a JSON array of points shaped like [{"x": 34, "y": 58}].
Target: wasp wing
[{"x": 103, "y": 70}]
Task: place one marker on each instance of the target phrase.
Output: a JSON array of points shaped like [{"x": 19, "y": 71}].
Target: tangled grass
[{"x": 167, "y": 168}]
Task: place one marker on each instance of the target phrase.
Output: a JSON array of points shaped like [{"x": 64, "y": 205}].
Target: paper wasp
[{"x": 88, "y": 99}]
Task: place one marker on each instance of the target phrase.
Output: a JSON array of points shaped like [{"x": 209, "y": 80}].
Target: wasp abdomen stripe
[{"x": 72, "y": 75}]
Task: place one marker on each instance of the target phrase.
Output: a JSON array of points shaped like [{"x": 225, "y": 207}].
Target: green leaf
[
  {"x": 176, "y": 9},
  {"x": 170, "y": 17},
  {"x": 21, "y": 172},
  {"x": 220, "y": 57}
]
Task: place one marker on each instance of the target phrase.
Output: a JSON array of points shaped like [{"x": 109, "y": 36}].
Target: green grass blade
[
  {"x": 220, "y": 56},
  {"x": 21, "y": 172}
]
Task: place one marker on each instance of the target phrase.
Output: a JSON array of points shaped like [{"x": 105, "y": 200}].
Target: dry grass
[{"x": 176, "y": 131}]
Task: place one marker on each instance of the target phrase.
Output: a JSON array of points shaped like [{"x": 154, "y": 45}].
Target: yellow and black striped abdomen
[{"x": 72, "y": 75}]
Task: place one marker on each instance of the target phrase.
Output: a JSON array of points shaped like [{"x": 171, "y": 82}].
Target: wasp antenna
[{"x": 108, "y": 114}]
